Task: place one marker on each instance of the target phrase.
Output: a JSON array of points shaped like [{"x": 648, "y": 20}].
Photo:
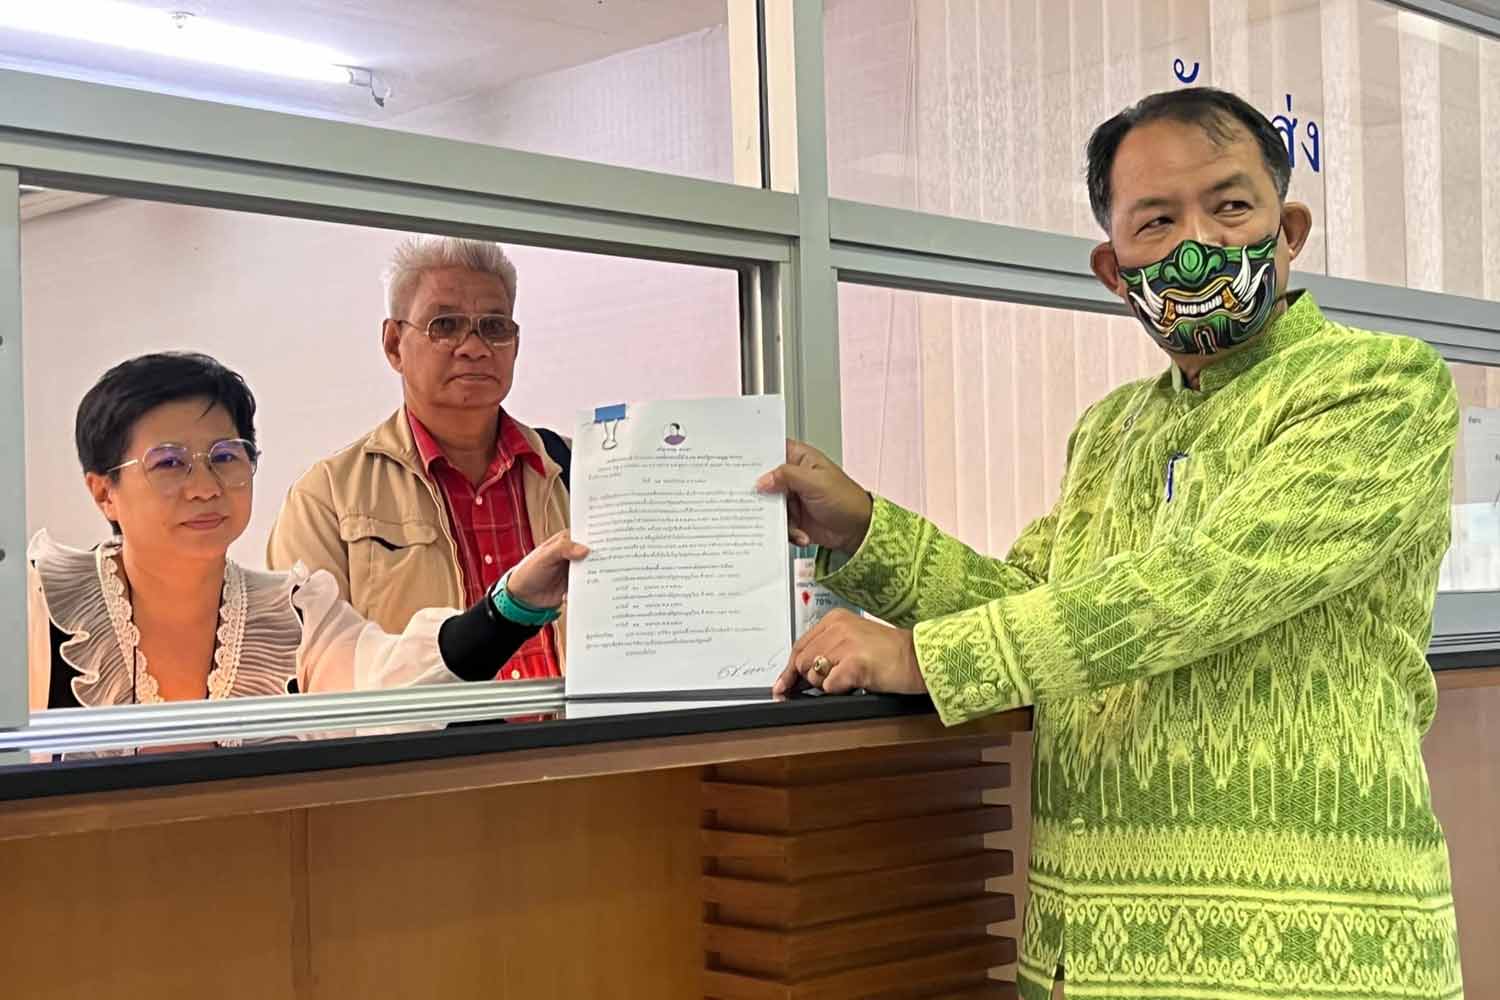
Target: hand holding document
[{"x": 687, "y": 586}]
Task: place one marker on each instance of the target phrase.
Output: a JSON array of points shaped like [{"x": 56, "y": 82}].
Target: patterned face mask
[{"x": 1200, "y": 299}]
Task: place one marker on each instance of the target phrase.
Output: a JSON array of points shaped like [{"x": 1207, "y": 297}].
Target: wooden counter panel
[
  {"x": 279, "y": 793},
  {"x": 924, "y": 976},
  {"x": 853, "y": 848},
  {"x": 805, "y": 902},
  {"x": 804, "y": 807},
  {"x": 1471, "y": 678},
  {"x": 771, "y": 952},
  {"x": 569, "y": 889},
  {"x": 820, "y": 768},
  {"x": 533, "y": 892},
  {"x": 989, "y": 991},
  {"x": 1463, "y": 766},
  {"x": 191, "y": 910},
  {"x": 856, "y": 875}
]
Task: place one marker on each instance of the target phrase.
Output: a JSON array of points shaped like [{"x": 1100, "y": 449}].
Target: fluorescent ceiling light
[{"x": 175, "y": 35}]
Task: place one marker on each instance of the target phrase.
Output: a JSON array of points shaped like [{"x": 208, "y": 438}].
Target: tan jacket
[{"x": 370, "y": 516}]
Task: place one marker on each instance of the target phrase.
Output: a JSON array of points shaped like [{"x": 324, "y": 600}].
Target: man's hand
[
  {"x": 824, "y": 506},
  {"x": 844, "y": 652},
  {"x": 541, "y": 579}
]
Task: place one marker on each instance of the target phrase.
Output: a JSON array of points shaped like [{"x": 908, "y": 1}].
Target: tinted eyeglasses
[
  {"x": 168, "y": 466},
  {"x": 448, "y": 330}
]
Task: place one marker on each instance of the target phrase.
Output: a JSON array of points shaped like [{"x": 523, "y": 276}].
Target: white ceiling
[{"x": 432, "y": 51}]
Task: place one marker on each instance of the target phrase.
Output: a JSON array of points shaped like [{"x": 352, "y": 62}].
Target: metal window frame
[
  {"x": 875, "y": 245},
  {"x": 791, "y": 250},
  {"x": 1455, "y": 14},
  {"x": 13, "y": 632},
  {"x": 180, "y": 127},
  {"x": 107, "y": 140}
]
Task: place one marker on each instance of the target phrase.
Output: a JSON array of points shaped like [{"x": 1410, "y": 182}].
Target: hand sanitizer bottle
[{"x": 811, "y": 599}]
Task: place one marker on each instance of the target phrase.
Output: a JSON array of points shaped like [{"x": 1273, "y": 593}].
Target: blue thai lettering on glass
[
  {"x": 1288, "y": 128},
  {"x": 1314, "y": 155},
  {"x": 1312, "y": 148}
]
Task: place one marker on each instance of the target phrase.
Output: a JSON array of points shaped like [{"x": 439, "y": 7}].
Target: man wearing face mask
[{"x": 1221, "y": 623}]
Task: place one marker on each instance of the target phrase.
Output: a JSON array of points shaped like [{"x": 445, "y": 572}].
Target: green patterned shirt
[{"x": 1222, "y": 625}]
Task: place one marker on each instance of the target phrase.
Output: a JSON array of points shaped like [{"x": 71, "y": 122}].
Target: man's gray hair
[{"x": 417, "y": 254}]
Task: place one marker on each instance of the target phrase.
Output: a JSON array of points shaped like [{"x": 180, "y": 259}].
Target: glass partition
[
  {"x": 960, "y": 409},
  {"x": 1474, "y": 561},
  {"x": 982, "y": 110},
  {"x": 298, "y": 308},
  {"x": 633, "y": 84}
]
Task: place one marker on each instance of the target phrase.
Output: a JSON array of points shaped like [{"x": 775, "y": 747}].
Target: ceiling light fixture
[{"x": 182, "y": 35}]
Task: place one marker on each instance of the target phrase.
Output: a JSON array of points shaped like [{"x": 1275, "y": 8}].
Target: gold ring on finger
[{"x": 820, "y": 665}]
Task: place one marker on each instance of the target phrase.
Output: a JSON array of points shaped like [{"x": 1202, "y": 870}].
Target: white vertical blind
[{"x": 981, "y": 109}]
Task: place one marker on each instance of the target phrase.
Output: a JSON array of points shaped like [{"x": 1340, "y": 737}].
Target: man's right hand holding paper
[
  {"x": 824, "y": 506},
  {"x": 843, "y": 652}
]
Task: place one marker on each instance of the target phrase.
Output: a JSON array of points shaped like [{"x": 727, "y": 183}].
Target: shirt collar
[
  {"x": 1301, "y": 319},
  {"x": 510, "y": 445}
]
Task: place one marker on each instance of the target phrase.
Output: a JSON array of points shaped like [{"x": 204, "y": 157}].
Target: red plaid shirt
[{"x": 490, "y": 526}]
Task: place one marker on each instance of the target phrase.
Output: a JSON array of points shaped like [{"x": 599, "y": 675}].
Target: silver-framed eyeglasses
[
  {"x": 167, "y": 466},
  {"x": 448, "y": 330}
]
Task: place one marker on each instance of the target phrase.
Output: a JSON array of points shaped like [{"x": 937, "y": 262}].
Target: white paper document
[
  {"x": 1481, "y": 430},
  {"x": 687, "y": 585}
]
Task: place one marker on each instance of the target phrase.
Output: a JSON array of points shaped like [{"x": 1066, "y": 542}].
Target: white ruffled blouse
[{"x": 272, "y": 627}]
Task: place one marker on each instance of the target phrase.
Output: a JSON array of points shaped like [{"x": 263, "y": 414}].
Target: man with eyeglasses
[{"x": 435, "y": 505}]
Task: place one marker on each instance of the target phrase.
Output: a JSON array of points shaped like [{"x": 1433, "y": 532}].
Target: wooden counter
[
  {"x": 614, "y": 870},
  {"x": 493, "y": 877}
]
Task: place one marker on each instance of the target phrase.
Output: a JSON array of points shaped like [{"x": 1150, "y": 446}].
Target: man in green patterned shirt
[{"x": 1222, "y": 622}]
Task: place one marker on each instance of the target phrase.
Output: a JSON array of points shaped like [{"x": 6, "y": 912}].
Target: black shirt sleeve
[{"x": 476, "y": 644}]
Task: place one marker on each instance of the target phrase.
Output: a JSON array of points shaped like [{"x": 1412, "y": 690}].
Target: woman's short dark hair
[
  {"x": 108, "y": 412},
  {"x": 1217, "y": 112}
]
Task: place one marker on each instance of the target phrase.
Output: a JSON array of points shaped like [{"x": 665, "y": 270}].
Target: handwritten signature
[{"x": 750, "y": 670}]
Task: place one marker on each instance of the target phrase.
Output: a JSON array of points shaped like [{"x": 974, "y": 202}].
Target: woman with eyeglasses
[{"x": 160, "y": 613}]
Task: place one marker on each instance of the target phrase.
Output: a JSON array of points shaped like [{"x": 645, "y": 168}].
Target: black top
[{"x": 60, "y": 687}]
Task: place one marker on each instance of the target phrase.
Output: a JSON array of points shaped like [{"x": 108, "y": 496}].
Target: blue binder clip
[{"x": 609, "y": 417}]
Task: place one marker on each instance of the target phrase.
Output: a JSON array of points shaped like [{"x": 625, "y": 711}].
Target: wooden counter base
[
  {"x": 811, "y": 861},
  {"x": 855, "y": 874},
  {"x": 486, "y": 878}
]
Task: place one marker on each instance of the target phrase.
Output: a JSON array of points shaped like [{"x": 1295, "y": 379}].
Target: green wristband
[{"x": 518, "y": 611}]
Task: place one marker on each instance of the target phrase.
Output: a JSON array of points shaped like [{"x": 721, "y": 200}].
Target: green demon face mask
[{"x": 1200, "y": 299}]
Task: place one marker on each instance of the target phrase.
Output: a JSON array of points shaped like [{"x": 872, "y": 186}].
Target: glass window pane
[
  {"x": 981, "y": 111},
  {"x": 1474, "y": 561},
  {"x": 296, "y": 307},
  {"x": 629, "y": 83},
  {"x": 960, "y": 409}
]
